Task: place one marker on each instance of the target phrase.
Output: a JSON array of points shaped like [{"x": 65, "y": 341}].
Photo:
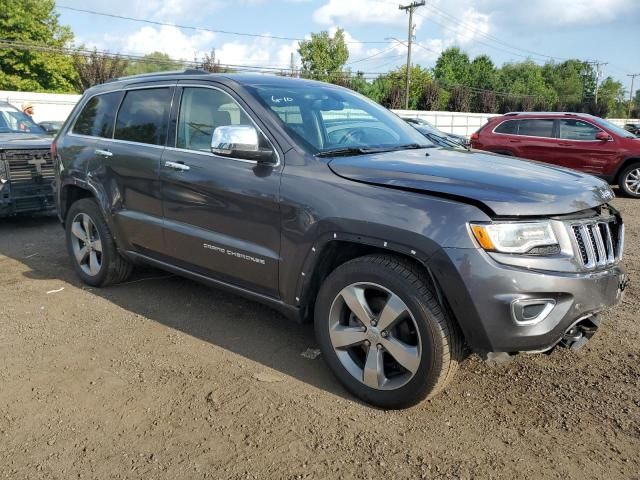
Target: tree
[
  {"x": 153, "y": 62},
  {"x": 482, "y": 73},
  {"x": 567, "y": 79},
  {"x": 611, "y": 99},
  {"x": 34, "y": 22},
  {"x": 210, "y": 64},
  {"x": 323, "y": 57},
  {"x": 97, "y": 68},
  {"x": 452, "y": 68}
]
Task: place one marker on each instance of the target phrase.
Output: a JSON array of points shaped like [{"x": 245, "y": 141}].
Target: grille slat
[
  {"x": 29, "y": 166},
  {"x": 598, "y": 242}
]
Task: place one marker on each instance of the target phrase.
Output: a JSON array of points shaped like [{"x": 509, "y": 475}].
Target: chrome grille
[
  {"x": 29, "y": 166},
  {"x": 598, "y": 242}
]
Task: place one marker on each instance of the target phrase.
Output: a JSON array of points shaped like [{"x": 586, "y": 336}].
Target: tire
[
  {"x": 630, "y": 180},
  {"x": 387, "y": 284},
  {"x": 99, "y": 264}
]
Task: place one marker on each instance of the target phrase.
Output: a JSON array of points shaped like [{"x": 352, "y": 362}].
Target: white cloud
[
  {"x": 354, "y": 12},
  {"x": 169, "y": 40}
]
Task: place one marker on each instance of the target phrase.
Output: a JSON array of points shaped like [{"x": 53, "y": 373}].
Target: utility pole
[
  {"x": 598, "y": 72},
  {"x": 633, "y": 77},
  {"x": 409, "y": 8}
]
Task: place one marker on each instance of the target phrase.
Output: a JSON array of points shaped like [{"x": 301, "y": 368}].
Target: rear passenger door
[
  {"x": 536, "y": 139},
  {"x": 128, "y": 166}
]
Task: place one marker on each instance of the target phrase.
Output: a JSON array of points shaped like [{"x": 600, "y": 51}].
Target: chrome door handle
[
  {"x": 103, "y": 153},
  {"x": 177, "y": 166}
]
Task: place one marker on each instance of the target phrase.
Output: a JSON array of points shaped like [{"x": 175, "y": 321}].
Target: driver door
[{"x": 221, "y": 214}]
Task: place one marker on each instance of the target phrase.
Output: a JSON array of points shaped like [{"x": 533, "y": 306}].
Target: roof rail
[
  {"x": 572, "y": 114},
  {"x": 188, "y": 71}
]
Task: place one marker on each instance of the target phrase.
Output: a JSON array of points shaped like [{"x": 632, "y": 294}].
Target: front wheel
[
  {"x": 630, "y": 180},
  {"x": 383, "y": 333}
]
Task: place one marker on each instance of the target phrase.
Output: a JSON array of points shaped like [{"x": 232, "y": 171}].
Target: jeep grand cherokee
[{"x": 316, "y": 201}]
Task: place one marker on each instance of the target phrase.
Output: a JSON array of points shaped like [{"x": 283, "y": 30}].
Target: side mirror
[
  {"x": 604, "y": 136},
  {"x": 240, "y": 141}
]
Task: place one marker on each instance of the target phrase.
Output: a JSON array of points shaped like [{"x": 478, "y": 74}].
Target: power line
[{"x": 191, "y": 27}]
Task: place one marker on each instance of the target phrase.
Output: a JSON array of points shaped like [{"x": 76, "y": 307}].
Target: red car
[{"x": 574, "y": 140}]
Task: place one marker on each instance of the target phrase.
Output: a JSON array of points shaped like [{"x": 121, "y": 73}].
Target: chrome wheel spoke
[
  {"x": 354, "y": 298},
  {"x": 392, "y": 311},
  {"x": 406, "y": 355},
  {"x": 78, "y": 231},
  {"x": 81, "y": 254},
  {"x": 373, "y": 372},
  {"x": 343, "y": 337},
  {"x": 97, "y": 245},
  {"x": 94, "y": 264},
  {"x": 86, "y": 224}
]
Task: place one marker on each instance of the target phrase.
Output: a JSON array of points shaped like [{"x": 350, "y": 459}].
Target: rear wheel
[
  {"x": 630, "y": 180},
  {"x": 383, "y": 333},
  {"x": 91, "y": 246}
]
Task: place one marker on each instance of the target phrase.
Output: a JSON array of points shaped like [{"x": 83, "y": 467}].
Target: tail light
[
  {"x": 475, "y": 136},
  {"x": 54, "y": 151}
]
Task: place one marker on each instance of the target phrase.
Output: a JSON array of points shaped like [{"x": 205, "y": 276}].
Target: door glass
[
  {"x": 571, "y": 129},
  {"x": 535, "y": 127},
  {"x": 202, "y": 110},
  {"x": 143, "y": 116},
  {"x": 98, "y": 115}
]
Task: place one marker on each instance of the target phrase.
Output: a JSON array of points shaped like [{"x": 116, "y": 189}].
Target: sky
[{"x": 506, "y": 30}]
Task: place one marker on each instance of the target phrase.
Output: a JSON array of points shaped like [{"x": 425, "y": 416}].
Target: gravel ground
[{"x": 164, "y": 378}]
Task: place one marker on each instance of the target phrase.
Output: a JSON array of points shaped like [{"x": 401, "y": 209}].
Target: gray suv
[{"x": 314, "y": 200}]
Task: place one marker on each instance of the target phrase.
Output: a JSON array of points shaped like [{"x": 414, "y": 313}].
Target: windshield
[
  {"x": 14, "y": 121},
  {"x": 614, "y": 128},
  {"x": 326, "y": 118}
]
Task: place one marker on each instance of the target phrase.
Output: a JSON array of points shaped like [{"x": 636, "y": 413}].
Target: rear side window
[
  {"x": 577, "y": 130},
  {"x": 98, "y": 116},
  {"x": 510, "y": 127},
  {"x": 143, "y": 116},
  {"x": 535, "y": 127}
]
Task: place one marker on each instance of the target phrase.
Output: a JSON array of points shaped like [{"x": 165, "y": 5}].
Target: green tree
[
  {"x": 153, "y": 62},
  {"x": 28, "y": 69},
  {"x": 526, "y": 84},
  {"x": 567, "y": 79},
  {"x": 482, "y": 73},
  {"x": 389, "y": 89},
  {"x": 452, "y": 68},
  {"x": 323, "y": 57},
  {"x": 611, "y": 99}
]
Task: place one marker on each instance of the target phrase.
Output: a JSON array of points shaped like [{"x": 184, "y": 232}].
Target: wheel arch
[{"x": 624, "y": 164}]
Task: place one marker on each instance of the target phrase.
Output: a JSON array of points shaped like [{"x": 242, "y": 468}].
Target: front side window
[
  {"x": 202, "y": 110},
  {"x": 571, "y": 129},
  {"x": 14, "y": 121},
  {"x": 98, "y": 116},
  {"x": 536, "y": 127},
  {"x": 325, "y": 118},
  {"x": 143, "y": 116}
]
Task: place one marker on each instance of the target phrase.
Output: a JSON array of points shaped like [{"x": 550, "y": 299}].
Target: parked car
[
  {"x": 51, "y": 126},
  {"x": 574, "y": 140},
  {"x": 320, "y": 203},
  {"x": 26, "y": 168},
  {"x": 438, "y": 139},
  {"x": 426, "y": 126},
  {"x": 633, "y": 128}
]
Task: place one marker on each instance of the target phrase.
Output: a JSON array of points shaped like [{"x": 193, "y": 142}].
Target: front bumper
[
  {"x": 26, "y": 199},
  {"x": 482, "y": 293}
]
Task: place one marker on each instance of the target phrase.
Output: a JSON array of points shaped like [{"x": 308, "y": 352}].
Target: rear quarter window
[
  {"x": 510, "y": 127},
  {"x": 98, "y": 116}
]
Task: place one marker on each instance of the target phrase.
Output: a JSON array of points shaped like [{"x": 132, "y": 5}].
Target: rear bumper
[{"x": 482, "y": 294}]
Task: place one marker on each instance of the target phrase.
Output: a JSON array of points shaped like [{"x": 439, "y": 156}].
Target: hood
[
  {"x": 24, "y": 140},
  {"x": 505, "y": 185}
]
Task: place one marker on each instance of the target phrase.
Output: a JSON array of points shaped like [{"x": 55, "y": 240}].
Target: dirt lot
[{"x": 164, "y": 378}]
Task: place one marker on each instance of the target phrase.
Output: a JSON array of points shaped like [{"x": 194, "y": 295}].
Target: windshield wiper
[{"x": 364, "y": 150}]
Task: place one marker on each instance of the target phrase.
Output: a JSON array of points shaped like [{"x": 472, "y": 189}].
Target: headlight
[{"x": 516, "y": 237}]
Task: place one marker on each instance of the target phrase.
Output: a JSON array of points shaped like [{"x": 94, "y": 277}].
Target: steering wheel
[{"x": 353, "y": 136}]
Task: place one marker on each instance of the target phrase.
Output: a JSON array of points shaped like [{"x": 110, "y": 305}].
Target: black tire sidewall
[
  {"x": 623, "y": 184},
  {"x": 425, "y": 379},
  {"x": 90, "y": 208}
]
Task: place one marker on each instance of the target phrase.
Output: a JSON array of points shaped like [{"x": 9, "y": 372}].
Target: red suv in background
[{"x": 574, "y": 140}]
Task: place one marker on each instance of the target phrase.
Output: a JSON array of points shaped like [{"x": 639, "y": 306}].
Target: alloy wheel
[
  {"x": 86, "y": 244},
  {"x": 632, "y": 181},
  {"x": 375, "y": 336}
]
